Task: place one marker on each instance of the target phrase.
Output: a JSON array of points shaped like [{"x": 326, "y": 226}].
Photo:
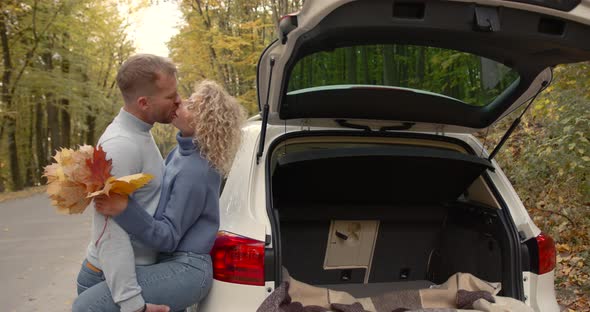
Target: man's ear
[{"x": 142, "y": 103}]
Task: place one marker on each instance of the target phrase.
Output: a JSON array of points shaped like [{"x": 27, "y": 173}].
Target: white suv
[{"x": 362, "y": 174}]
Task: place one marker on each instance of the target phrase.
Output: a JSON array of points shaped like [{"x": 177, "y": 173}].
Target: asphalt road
[{"x": 40, "y": 255}]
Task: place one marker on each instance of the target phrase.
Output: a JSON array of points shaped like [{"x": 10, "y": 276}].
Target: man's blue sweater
[{"x": 187, "y": 217}]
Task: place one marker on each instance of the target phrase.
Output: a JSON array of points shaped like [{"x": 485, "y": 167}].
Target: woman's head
[{"x": 214, "y": 119}]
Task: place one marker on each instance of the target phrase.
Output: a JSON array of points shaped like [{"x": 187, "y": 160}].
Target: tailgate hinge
[{"x": 487, "y": 19}]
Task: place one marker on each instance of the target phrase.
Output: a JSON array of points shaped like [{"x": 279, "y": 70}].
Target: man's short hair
[{"x": 138, "y": 75}]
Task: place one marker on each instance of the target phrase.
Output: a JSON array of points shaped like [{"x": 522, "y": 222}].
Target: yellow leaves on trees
[{"x": 79, "y": 175}]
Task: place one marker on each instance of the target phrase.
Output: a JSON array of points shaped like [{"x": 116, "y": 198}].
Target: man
[{"x": 149, "y": 88}]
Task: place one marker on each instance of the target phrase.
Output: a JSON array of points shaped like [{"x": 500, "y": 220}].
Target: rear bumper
[
  {"x": 229, "y": 297},
  {"x": 540, "y": 291}
]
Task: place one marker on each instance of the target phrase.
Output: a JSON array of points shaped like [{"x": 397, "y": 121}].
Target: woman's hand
[{"x": 112, "y": 205}]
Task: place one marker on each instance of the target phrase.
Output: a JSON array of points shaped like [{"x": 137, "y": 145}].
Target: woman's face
[{"x": 183, "y": 118}]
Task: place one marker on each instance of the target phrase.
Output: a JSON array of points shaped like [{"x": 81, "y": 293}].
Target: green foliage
[
  {"x": 548, "y": 161},
  {"x": 463, "y": 76},
  {"x": 223, "y": 40}
]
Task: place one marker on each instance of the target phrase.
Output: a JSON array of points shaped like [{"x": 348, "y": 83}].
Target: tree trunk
[
  {"x": 41, "y": 136},
  {"x": 52, "y": 110},
  {"x": 91, "y": 123},
  {"x": 203, "y": 11},
  {"x": 32, "y": 164},
  {"x": 89, "y": 136},
  {"x": 388, "y": 66},
  {"x": 66, "y": 124},
  {"x": 17, "y": 182},
  {"x": 65, "y": 112},
  {"x": 53, "y": 123},
  {"x": 421, "y": 66},
  {"x": 351, "y": 65},
  {"x": 365, "y": 65},
  {"x": 309, "y": 75}
]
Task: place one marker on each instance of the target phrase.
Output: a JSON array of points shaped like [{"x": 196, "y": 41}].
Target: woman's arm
[{"x": 185, "y": 205}]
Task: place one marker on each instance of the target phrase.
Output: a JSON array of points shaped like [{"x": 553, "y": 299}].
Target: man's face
[{"x": 163, "y": 103}]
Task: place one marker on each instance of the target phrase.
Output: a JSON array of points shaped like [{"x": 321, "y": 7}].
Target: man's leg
[
  {"x": 89, "y": 276},
  {"x": 178, "y": 283}
]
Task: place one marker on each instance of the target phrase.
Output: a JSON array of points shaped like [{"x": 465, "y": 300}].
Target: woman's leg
[{"x": 177, "y": 281}]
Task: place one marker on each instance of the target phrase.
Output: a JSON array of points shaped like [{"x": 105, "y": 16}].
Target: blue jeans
[{"x": 178, "y": 280}]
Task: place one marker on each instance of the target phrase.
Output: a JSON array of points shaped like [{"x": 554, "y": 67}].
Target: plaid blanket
[{"x": 461, "y": 292}]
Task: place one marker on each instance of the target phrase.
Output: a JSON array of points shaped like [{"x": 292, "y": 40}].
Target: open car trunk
[{"x": 370, "y": 218}]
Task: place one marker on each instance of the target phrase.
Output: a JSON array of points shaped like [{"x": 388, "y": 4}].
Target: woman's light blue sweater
[{"x": 187, "y": 217}]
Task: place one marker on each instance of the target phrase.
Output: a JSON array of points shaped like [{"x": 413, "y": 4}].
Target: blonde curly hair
[{"x": 217, "y": 118}]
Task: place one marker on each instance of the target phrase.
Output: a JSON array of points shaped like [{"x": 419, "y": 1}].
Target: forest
[{"x": 60, "y": 58}]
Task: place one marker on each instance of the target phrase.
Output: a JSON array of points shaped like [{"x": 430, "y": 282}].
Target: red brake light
[
  {"x": 238, "y": 259},
  {"x": 546, "y": 249}
]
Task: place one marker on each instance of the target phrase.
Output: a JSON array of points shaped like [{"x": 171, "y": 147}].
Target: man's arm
[
  {"x": 115, "y": 252},
  {"x": 186, "y": 203}
]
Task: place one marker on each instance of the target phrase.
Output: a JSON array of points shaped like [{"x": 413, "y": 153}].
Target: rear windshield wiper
[
  {"x": 403, "y": 126},
  {"x": 344, "y": 123}
]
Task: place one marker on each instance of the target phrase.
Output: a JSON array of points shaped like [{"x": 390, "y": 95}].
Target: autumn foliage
[{"x": 79, "y": 175}]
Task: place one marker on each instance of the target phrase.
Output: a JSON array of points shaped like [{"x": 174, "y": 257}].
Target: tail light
[
  {"x": 546, "y": 253},
  {"x": 238, "y": 259}
]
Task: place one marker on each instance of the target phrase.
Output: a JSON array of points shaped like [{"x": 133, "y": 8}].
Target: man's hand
[
  {"x": 155, "y": 308},
  {"x": 112, "y": 205}
]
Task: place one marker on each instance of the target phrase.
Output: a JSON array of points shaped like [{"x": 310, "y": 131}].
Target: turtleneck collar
[
  {"x": 133, "y": 122},
  {"x": 186, "y": 145}
]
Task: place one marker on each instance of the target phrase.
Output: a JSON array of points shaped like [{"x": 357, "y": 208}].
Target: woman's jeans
[{"x": 178, "y": 280}]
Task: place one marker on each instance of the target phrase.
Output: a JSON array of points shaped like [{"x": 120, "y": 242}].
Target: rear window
[{"x": 466, "y": 77}]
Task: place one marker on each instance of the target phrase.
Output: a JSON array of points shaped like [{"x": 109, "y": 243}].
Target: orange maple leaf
[{"x": 100, "y": 168}]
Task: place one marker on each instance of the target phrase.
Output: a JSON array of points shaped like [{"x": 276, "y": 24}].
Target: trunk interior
[{"x": 371, "y": 218}]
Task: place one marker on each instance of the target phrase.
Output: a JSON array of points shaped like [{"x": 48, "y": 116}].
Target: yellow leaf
[
  {"x": 128, "y": 184},
  {"x": 51, "y": 172},
  {"x": 562, "y": 247},
  {"x": 124, "y": 185}
]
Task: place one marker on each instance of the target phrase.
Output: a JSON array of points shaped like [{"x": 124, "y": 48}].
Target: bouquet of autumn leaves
[{"x": 79, "y": 175}]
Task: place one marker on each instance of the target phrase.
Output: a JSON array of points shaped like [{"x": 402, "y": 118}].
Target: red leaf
[{"x": 100, "y": 168}]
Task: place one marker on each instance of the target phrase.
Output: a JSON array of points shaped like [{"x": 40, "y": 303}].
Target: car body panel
[
  {"x": 228, "y": 297},
  {"x": 540, "y": 291},
  {"x": 237, "y": 213}
]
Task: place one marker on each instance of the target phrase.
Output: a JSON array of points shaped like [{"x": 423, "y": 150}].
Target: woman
[{"x": 186, "y": 221}]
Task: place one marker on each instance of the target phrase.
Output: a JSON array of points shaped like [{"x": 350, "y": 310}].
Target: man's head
[{"x": 148, "y": 85}]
